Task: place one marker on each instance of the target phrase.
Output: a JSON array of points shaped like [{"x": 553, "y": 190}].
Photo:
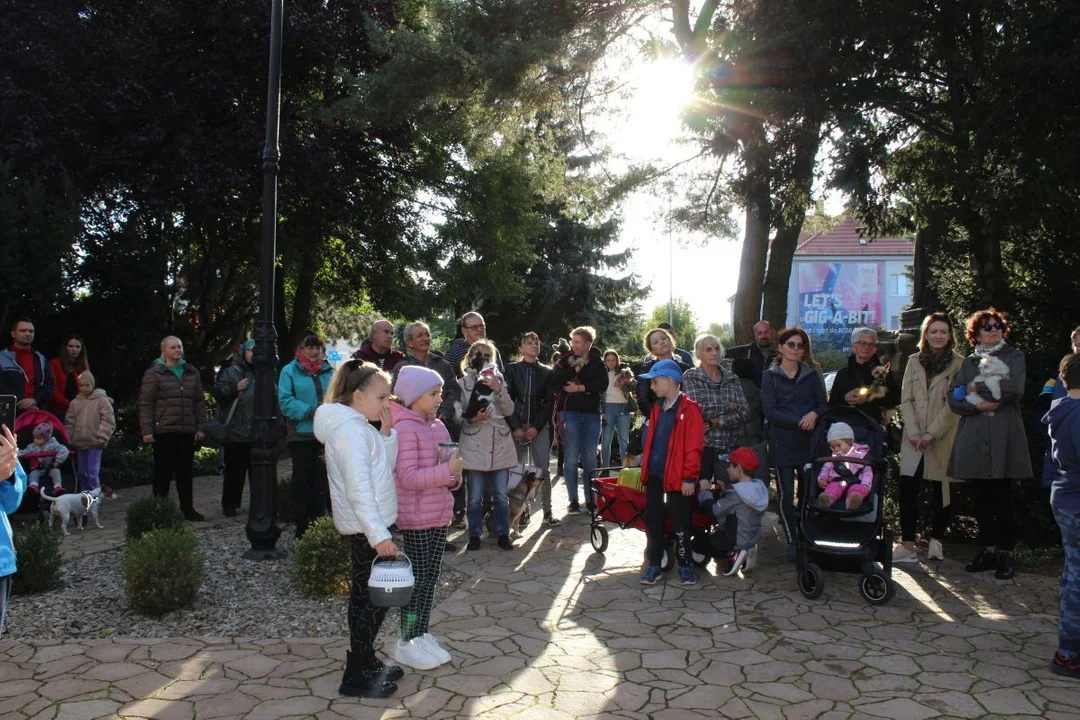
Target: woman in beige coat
[
  {"x": 487, "y": 447},
  {"x": 929, "y": 430}
]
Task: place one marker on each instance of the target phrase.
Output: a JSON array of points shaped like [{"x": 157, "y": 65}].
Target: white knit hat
[{"x": 840, "y": 431}]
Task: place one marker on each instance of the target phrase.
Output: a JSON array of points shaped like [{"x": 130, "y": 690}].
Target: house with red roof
[{"x": 844, "y": 278}]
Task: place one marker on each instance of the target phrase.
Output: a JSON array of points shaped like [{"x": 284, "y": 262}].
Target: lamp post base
[{"x": 264, "y": 555}]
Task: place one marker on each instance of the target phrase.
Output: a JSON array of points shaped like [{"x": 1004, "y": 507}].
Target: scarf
[
  {"x": 935, "y": 361},
  {"x": 312, "y": 367},
  {"x": 980, "y": 351}
]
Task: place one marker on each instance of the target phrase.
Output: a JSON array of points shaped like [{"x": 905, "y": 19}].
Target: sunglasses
[
  {"x": 992, "y": 326},
  {"x": 483, "y": 355},
  {"x": 794, "y": 345}
]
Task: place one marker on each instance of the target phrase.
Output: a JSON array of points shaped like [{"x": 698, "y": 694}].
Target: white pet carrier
[{"x": 391, "y": 582}]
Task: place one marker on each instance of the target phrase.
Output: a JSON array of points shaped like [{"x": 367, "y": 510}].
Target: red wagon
[{"x": 625, "y": 507}]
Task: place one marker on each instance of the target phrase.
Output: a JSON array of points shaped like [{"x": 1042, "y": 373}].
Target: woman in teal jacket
[
  {"x": 11, "y": 494},
  {"x": 300, "y": 391}
]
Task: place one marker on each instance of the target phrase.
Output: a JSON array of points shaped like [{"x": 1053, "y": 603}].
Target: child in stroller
[
  {"x": 45, "y": 454},
  {"x": 836, "y": 478},
  {"x": 849, "y": 536}
]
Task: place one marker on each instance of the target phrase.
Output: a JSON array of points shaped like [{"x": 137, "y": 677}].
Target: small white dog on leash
[
  {"x": 991, "y": 371},
  {"x": 76, "y": 506}
]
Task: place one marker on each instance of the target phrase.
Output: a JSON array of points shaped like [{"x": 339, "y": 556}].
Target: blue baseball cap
[{"x": 664, "y": 368}]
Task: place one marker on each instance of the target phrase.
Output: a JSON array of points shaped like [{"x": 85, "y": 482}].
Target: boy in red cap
[{"x": 738, "y": 509}]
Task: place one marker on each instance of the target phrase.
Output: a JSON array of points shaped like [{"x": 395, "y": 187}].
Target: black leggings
[
  {"x": 910, "y": 489},
  {"x": 311, "y": 490},
  {"x": 364, "y": 618},
  {"x": 994, "y": 512},
  {"x": 659, "y": 504},
  {"x": 174, "y": 457},
  {"x": 237, "y": 466}
]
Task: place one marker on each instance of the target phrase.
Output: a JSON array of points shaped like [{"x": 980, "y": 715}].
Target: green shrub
[
  {"x": 38, "y": 556},
  {"x": 284, "y": 502},
  {"x": 123, "y": 467},
  {"x": 151, "y": 513},
  {"x": 206, "y": 461},
  {"x": 831, "y": 360},
  {"x": 322, "y": 564},
  {"x": 162, "y": 571}
]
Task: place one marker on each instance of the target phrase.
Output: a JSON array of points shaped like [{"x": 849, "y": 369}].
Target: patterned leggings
[
  {"x": 364, "y": 618},
  {"x": 425, "y": 550}
]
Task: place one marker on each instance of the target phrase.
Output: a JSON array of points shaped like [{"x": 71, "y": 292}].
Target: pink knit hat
[{"x": 413, "y": 381}]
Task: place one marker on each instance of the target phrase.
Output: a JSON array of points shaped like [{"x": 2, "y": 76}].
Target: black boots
[{"x": 377, "y": 681}]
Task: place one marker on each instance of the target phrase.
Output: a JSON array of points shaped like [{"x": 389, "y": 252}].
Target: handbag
[{"x": 216, "y": 430}]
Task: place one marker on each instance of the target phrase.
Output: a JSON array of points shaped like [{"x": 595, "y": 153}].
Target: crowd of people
[{"x": 416, "y": 442}]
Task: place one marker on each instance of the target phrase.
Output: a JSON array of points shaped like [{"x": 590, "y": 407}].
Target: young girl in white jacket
[{"x": 360, "y": 465}]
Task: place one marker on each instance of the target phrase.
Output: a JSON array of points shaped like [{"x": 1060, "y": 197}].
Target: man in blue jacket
[{"x": 11, "y": 494}]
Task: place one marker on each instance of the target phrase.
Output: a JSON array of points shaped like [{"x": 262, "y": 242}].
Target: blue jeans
[
  {"x": 476, "y": 481},
  {"x": 580, "y": 435},
  {"x": 616, "y": 417},
  {"x": 1065, "y": 502}
]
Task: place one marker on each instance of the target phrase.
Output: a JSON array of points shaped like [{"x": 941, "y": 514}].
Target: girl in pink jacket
[
  {"x": 425, "y": 505},
  {"x": 856, "y": 481}
]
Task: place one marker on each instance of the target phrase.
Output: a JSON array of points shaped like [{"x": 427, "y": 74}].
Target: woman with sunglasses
[
  {"x": 792, "y": 396},
  {"x": 991, "y": 450},
  {"x": 487, "y": 447},
  {"x": 301, "y": 387}
]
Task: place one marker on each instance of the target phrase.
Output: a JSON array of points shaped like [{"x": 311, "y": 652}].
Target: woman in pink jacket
[{"x": 425, "y": 506}]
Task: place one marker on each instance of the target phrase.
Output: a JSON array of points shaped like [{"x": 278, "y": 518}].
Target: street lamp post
[{"x": 262, "y": 530}]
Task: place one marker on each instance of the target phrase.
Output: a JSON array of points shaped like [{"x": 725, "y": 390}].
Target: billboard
[{"x": 835, "y": 298}]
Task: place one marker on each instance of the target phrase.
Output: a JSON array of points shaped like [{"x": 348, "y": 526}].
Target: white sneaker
[
  {"x": 934, "y": 552},
  {"x": 414, "y": 653},
  {"x": 434, "y": 648},
  {"x": 751, "y": 559},
  {"x": 901, "y": 554}
]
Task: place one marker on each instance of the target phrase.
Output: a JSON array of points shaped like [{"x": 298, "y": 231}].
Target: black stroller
[{"x": 835, "y": 538}]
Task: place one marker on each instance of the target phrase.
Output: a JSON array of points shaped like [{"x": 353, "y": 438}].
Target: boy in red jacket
[{"x": 671, "y": 463}]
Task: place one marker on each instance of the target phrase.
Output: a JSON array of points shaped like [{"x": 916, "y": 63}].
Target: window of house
[{"x": 899, "y": 285}]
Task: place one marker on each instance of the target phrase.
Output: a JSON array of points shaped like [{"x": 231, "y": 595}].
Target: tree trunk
[
  {"x": 304, "y": 296},
  {"x": 790, "y": 218},
  {"x": 746, "y": 311}
]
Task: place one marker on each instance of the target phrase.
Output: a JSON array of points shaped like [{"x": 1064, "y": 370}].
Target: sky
[{"x": 706, "y": 271}]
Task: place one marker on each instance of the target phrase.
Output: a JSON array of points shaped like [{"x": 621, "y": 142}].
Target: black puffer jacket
[
  {"x": 532, "y": 393},
  {"x": 593, "y": 376}
]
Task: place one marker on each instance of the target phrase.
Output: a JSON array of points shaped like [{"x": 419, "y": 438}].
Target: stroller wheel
[
  {"x": 599, "y": 538},
  {"x": 667, "y": 560},
  {"x": 811, "y": 581},
  {"x": 876, "y": 587}
]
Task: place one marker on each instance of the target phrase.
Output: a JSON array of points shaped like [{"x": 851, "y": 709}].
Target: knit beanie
[
  {"x": 43, "y": 430},
  {"x": 841, "y": 431},
  {"x": 249, "y": 345},
  {"x": 413, "y": 381},
  {"x": 85, "y": 375}
]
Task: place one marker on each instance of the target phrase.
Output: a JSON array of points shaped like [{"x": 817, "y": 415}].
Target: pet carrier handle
[
  {"x": 399, "y": 556},
  {"x": 841, "y": 458}
]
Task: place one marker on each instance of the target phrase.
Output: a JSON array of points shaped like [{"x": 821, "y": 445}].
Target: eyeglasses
[
  {"x": 479, "y": 326},
  {"x": 992, "y": 326},
  {"x": 867, "y": 343},
  {"x": 794, "y": 345}
]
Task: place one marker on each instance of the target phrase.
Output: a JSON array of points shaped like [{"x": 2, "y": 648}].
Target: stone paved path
[{"x": 554, "y": 630}]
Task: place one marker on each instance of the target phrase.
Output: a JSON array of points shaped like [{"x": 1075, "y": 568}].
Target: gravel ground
[{"x": 238, "y": 598}]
